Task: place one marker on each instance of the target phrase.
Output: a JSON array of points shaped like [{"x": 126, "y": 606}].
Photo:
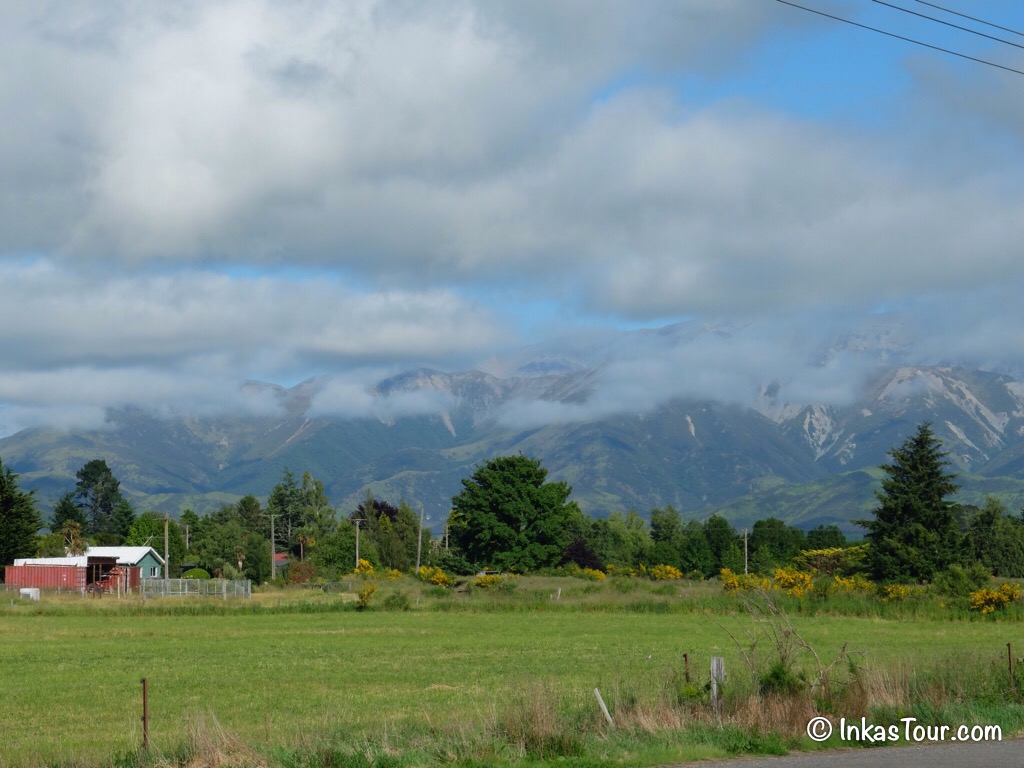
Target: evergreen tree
[
  {"x": 508, "y": 516},
  {"x": 825, "y": 537},
  {"x": 97, "y": 493},
  {"x": 19, "y": 519},
  {"x": 66, "y": 510},
  {"x": 914, "y": 533},
  {"x": 285, "y": 503}
]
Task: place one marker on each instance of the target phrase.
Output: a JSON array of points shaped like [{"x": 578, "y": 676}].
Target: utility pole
[
  {"x": 446, "y": 537},
  {"x": 357, "y": 521},
  {"x": 167, "y": 562},
  {"x": 273, "y": 546},
  {"x": 419, "y": 541},
  {"x": 745, "y": 550}
]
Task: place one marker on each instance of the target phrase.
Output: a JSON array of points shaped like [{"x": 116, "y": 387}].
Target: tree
[
  {"x": 722, "y": 538},
  {"x": 508, "y": 517},
  {"x": 825, "y": 537},
  {"x": 995, "y": 539},
  {"x": 222, "y": 546},
  {"x": 285, "y": 503},
  {"x": 620, "y": 540},
  {"x": 19, "y": 519},
  {"x": 695, "y": 553},
  {"x": 66, "y": 510},
  {"x": 97, "y": 493},
  {"x": 772, "y": 543},
  {"x": 666, "y": 536},
  {"x": 914, "y": 533},
  {"x": 148, "y": 531}
]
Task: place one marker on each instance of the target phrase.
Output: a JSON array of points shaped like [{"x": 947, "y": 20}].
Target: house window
[{"x": 154, "y": 572}]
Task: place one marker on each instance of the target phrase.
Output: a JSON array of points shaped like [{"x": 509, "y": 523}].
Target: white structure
[{"x": 146, "y": 558}]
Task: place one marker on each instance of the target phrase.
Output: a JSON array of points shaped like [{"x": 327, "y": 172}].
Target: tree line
[{"x": 510, "y": 517}]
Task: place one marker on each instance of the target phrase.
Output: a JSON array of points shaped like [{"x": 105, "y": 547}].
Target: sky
[{"x": 197, "y": 194}]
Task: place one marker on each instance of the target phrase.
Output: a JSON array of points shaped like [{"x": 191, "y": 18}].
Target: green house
[{"x": 151, "y": 564}]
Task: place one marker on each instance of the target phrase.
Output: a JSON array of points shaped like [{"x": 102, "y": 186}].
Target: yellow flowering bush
[
  {"x": 365, "y": 593},
  {"x": 619, "y": 570},
  {"x": 987, "y": 600},
  {"x": 856, "y": 583},
  {"x": 735, "y": 582},
  {"x": 893, "y": 592},
  {"x": 431, "y": 574},
  {"x": 488, "y": 580},
  {"x": 662, "y": 572},
  {"x": 363, "y": 567},
  {"x": 792, "y": 581},
  {"x": 592, "y": 574}
]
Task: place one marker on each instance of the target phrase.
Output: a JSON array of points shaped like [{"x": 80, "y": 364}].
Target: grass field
[{"x": 296, "y": 671}]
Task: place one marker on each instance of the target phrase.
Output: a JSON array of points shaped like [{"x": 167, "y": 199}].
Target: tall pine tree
[
  {"x": 914, "y": 533},
  {"x": 19, "y": 519}
]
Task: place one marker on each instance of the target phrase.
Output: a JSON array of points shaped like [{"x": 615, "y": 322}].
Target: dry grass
[{"x": 209, "y": 745}]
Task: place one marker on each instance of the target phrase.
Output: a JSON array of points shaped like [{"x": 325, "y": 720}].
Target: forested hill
[{"x": 807, "y": 464}]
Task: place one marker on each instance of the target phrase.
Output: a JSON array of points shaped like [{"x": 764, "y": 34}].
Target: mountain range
[{"x": 805, "y": 462}]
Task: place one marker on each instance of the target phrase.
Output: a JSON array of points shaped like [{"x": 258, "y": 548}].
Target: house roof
[{"x": 125, "y": 555}]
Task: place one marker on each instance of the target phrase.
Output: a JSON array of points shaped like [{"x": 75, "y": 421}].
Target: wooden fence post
[{"x": 717, "y": 678}]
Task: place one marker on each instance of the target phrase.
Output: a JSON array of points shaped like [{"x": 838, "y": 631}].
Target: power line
[
  {"x": 948, "y": 24},
  {"x": 972, "y": 18},
  {"x": 901, "y": 37}
]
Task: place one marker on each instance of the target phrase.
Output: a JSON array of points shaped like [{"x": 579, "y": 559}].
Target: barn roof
[{"x": 69, "y": 560}]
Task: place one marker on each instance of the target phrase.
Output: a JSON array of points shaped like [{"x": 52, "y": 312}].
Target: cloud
[
  {"x": 269, "y": 323},
  {"x": 205, "y": 192},
  {"x": 729, "y": 364},
  {"x": 356, "y": 396}
]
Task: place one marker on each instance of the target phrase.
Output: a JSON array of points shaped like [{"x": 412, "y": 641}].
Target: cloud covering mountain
[{"x": 206, "y": 192}]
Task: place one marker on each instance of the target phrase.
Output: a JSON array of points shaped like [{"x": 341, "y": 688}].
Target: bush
[
  {"x": 451, "y": 562},
  {"x": 792, "y": 581},
  {"x": 301, "y": 572},
  {"x": 431, "y": 574},
  {"x": 893, "y": 593},
  {"x": 989, "y": 600},
  {"x": 195, "y": 573},
  {"x": 957, "y": 581},
  {"x": 780, "y": 680},
  {"x": 396, "y": 601},
  {"x": 365, "y": 593},
  {"x": 488, "y": 580},
  {"x": 662, "y": 572}
]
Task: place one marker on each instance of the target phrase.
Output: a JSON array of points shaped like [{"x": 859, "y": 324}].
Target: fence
[{"x": 224, "y": 588}]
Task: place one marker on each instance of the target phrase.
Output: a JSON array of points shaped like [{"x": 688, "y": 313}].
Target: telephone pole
[
  {"x": 273, "y": 546},
  {"x": 745, "y": 550},
  {"x": 419, "y": 541},
  {"x": 357, "y": 521}
]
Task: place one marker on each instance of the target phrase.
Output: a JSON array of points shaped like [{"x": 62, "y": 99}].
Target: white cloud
[
  {"x": 164, "y": 166},
  {"x": 257, "y": 323}
]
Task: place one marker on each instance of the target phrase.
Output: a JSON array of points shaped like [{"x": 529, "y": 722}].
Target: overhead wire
[
  {"x": 948, "y": 24},
  {"x": 902, "y": 37},
  {"x": 972, "y": 18}
]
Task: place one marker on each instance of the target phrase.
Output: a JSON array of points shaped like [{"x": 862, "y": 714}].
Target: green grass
[{"x": 301, "y": 672}]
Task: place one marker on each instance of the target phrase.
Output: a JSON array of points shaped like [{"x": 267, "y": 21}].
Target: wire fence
[{"x": 223, "y": 588}]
